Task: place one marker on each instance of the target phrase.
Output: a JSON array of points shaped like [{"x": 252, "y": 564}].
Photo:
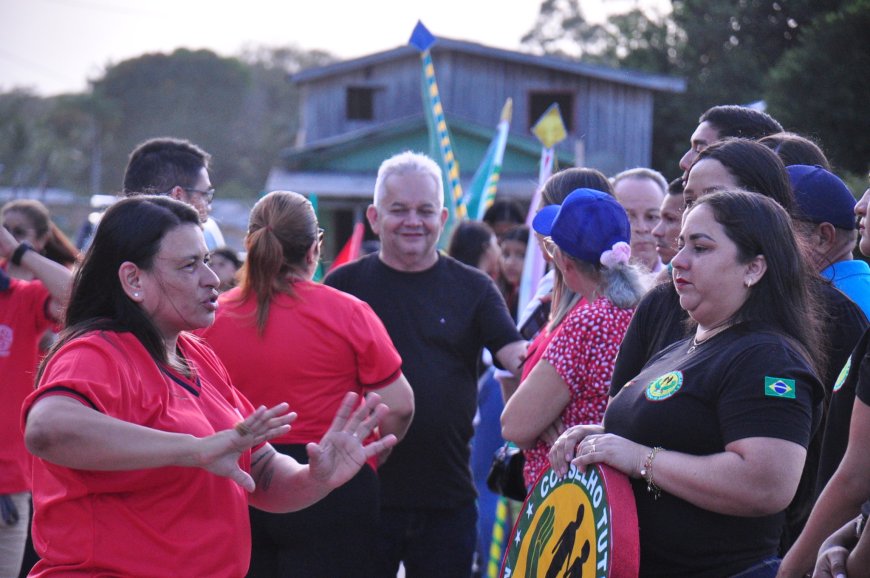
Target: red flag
[{"x": 351, "y": 250}]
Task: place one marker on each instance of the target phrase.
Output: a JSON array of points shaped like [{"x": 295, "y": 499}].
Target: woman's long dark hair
[
  {"x": 130, "y": 230},
  {"x": 783, "y": 298},
  {"x": 756, "y": 168}
]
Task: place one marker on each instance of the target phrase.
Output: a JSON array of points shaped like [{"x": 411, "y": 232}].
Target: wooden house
[{"x": 358, "y": 112}]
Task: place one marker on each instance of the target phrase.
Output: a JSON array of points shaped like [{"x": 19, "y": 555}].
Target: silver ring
[{"x": 593, "y": 448}]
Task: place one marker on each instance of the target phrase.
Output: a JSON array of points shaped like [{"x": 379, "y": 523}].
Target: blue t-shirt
[{"x": 853, "y": 279}]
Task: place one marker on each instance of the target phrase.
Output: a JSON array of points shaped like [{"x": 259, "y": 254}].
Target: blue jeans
[
  {"x": 764, "y": 569},
  {"x": 434, "y": 543}
]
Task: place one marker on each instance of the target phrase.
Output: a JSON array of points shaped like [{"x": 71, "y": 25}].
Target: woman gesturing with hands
[{"x": 138, "y": 433}]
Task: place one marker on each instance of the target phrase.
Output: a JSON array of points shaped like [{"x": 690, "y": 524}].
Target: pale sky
[{"x": 55, "y": 46}]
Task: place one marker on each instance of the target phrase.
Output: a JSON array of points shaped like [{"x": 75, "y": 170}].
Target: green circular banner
[{"x": 580, "y": 525}]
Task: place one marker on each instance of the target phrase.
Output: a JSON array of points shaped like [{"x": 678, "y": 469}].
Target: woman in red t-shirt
[
  {"x": 283, "y": 337},
  {"x": 147, "y": 456},
  {"x": 27, "y": 310}
]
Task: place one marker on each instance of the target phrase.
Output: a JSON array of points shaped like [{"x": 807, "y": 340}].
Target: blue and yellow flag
[
  {"x": 484, "y": 184},
  {"x": 441, "y": 148}
]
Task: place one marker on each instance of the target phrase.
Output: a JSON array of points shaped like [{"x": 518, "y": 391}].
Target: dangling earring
[{"x": 747, "y": 283}]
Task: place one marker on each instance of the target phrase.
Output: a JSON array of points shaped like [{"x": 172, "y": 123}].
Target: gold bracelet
[{"x": 646, "y": 473}]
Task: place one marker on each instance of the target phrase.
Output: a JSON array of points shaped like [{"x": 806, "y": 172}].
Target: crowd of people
[{"x": 169, "y": 408}]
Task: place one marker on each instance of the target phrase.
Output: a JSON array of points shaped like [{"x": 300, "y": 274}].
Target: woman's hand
[
  {"x": 220, "y": 453},
  {"x": 563, "y": 450},
  {"x": 340, "y": 453},
  {"x": 619, "y": 453},
  {"x": 552, "y": 433},
  {"x": 831, "y": 563}
]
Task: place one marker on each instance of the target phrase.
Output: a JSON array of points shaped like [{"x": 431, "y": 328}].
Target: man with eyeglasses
[{"x": 176, "y": 168}]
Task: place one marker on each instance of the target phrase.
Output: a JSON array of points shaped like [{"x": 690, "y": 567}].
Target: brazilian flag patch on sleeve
[{"x": 779, "y": 387}]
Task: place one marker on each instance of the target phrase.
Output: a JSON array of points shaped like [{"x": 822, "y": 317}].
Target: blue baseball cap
[
  {"x": 587, "y": 223},
  {"x": 821, "y": 196}
]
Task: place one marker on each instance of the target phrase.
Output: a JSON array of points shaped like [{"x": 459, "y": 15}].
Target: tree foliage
[
  {"x": 725, "y": 50},
  {"x": 820, "y": 87},
  {"x": 241, "y": 110}
]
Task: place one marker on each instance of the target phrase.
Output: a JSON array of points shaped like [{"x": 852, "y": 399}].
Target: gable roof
[
  {"x": 619, "y": 76},
  {"x": 346, "y": 165},
  {"x": 410, "y": 132}
]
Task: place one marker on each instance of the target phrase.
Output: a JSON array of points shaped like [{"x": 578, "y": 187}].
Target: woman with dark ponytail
[{"x": 283, "y": 337}]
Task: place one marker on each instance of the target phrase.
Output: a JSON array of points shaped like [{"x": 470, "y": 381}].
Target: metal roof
[{"x": 619, "y": 76}]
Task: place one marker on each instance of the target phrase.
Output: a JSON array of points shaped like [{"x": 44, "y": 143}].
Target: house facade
[{"x": 357, "y": 112}]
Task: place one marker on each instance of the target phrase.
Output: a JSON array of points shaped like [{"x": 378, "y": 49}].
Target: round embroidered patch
[{"x": 664, "y": 386}]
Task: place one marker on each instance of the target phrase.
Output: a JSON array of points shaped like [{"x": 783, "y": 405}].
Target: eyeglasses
[
  {"x": 209, "y": 194},
  {"x": 320, "y": 233}
]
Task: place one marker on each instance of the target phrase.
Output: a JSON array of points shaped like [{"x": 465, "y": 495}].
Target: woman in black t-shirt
[
  {"x": 849, "y": 487},
  {"x": 714, "y": 429}
]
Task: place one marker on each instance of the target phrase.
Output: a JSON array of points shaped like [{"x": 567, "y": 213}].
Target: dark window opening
[
  {"x": 360, "y": 103},
  {"x": 539, "y": 102}
]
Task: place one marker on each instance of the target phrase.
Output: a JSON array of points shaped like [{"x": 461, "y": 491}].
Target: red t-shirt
[
  {"x": 169, "y": 521},
  {"x": 583, "y": 354},
  {"x": 316, "y": 347},
  {"x": 23, "y": 320}
]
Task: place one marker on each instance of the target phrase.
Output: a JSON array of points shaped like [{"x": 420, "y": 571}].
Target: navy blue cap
[
  {"x": 587, "y": 223},
  {"x": 822, "y": 197}
]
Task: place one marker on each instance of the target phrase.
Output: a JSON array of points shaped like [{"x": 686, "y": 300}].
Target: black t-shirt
[
  {"x": 743, "y": 382},
  {"x": 658, "y": 321},
  {"x": 854, "y": 377},
  {"x": 439, "y": 320},
  {"x": 843, "y": 324}
]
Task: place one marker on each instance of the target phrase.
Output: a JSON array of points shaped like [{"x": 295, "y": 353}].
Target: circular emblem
[
  {"x": 584, "y": 524},
  {"x": 664, "y": 386},
  {"x": 841, "y": 378}
]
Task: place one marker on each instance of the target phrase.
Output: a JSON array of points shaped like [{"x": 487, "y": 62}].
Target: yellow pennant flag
[{"x": 550, "y": 129}]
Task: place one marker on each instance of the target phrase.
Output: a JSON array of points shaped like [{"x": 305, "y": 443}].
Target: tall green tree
[
  {"x": 821, "y": 86},
  {"x": 21, "y": 113},
  {"x": 196, "y": 95},
  {"x": 241, "y": 110},
  {"x": 561, "y": 29},
  {"x": 47, "y": 142},
  {"x": 725, "y": 50},
  {"x": 269, "y": 119}
]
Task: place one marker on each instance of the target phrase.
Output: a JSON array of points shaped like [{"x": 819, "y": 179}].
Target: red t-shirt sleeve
[
  {"x": 35, "y": 298},
  {"x": 89, "y": 374},
  {"x": 378, "y": 362}
]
